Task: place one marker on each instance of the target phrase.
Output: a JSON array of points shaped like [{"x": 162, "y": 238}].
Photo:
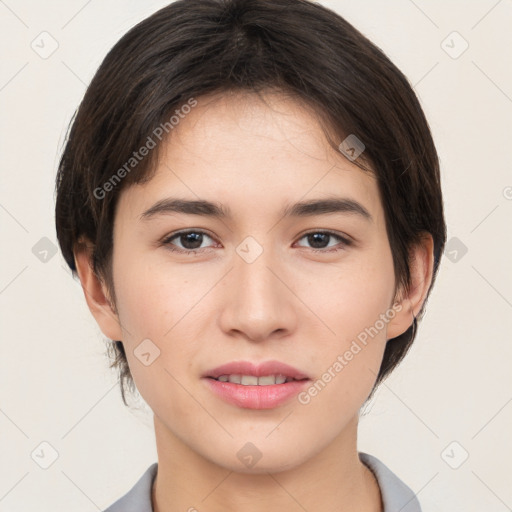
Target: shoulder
[
  {"x": 138, "y": 498},
  {"x": 396, "y": 495}
]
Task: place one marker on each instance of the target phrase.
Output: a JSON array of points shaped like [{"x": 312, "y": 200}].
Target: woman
[{"x": 250, "y": 196}]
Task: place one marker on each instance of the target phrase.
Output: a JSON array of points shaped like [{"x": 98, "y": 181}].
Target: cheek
[
  {"x": 356, "y": 298},
  {"x": 357, "y": 310},
  {"x": 151, "y": 300},
  {"x": 157, "y": 314},
  {"x": 349, "y": 362}
]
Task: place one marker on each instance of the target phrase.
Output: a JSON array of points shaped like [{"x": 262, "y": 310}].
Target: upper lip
[{"x": 258, "y": 370}]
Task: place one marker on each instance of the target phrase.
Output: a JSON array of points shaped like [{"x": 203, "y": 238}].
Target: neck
[{"x": 334, "y": 480}]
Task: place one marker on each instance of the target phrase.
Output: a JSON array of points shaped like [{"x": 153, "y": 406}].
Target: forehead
[
  {"x": 253, "y": 151},
  {"x": 270, "y": 124}
]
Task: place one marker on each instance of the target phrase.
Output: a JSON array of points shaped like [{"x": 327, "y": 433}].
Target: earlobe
[
  {"x": 96, "y": 293},
  {"x": 421, "y": 263}
]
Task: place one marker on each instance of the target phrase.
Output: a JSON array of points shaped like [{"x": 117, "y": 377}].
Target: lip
[
  {"x": 258, "y": 370},
  {"x": 256, "y": 397}
]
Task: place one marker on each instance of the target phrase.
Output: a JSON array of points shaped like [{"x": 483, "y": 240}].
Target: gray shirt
[{"x": 396, "y": 495}]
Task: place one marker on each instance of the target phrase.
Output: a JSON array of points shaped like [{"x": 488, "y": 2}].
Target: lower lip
[{"x": 256, "y": 397}]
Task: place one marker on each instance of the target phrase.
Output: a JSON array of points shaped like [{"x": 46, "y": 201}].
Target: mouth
[
  {"x": 253, "y": 380},
  {"x": 251, "y": 386}
]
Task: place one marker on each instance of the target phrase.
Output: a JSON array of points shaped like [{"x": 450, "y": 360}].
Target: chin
[{"x": 250, "y": 460}]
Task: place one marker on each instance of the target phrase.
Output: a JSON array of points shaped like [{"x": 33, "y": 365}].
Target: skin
[{"x": 291, "y": 304}]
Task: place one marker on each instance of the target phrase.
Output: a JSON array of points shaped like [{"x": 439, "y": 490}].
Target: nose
[{"x": 258, "y": 301}]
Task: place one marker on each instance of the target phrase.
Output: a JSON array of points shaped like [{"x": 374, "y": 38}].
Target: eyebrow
[{"x": 217, "y": 210}]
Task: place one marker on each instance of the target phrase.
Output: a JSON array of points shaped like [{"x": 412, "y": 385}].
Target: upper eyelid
[{"x": 167, "y": 238}]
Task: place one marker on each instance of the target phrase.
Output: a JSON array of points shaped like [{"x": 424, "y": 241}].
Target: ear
[
  {"x": 96, "y": 293},
  {"x": 421, "y": 263}
]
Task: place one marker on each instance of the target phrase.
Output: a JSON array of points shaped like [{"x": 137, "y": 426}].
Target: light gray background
[{"x": 455, "y": 385}]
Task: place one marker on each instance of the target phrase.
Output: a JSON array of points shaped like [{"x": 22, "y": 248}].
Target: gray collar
[{"x": 396, "y": 495}]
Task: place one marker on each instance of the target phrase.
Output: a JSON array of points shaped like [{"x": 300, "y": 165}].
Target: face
[{"x": 307, "y": 288}]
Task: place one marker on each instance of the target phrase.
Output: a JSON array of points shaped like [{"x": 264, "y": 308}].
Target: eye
[
  {"x": 318, "y": 240},
  {"x": 190, "y": 241}
]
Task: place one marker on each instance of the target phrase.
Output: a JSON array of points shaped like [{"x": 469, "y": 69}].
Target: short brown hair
[{"x": 193, "y": 48}]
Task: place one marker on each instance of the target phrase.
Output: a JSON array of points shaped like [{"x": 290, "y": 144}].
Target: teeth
[
  {"x": 265, "y": 381},
  {"x": 251, "y": 380}
]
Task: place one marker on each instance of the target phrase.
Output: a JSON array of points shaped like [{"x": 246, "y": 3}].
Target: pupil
[
  {"x": 192, "y": 237},
  {"x": 314, "y": 238}
]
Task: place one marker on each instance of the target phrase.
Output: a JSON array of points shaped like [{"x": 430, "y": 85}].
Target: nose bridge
[
  {"x": 256, "y": 283},
  {"x": 259, "y": 303}
]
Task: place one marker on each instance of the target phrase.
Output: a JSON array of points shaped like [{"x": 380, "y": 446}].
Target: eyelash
[{"x": 167, "y": 241}]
